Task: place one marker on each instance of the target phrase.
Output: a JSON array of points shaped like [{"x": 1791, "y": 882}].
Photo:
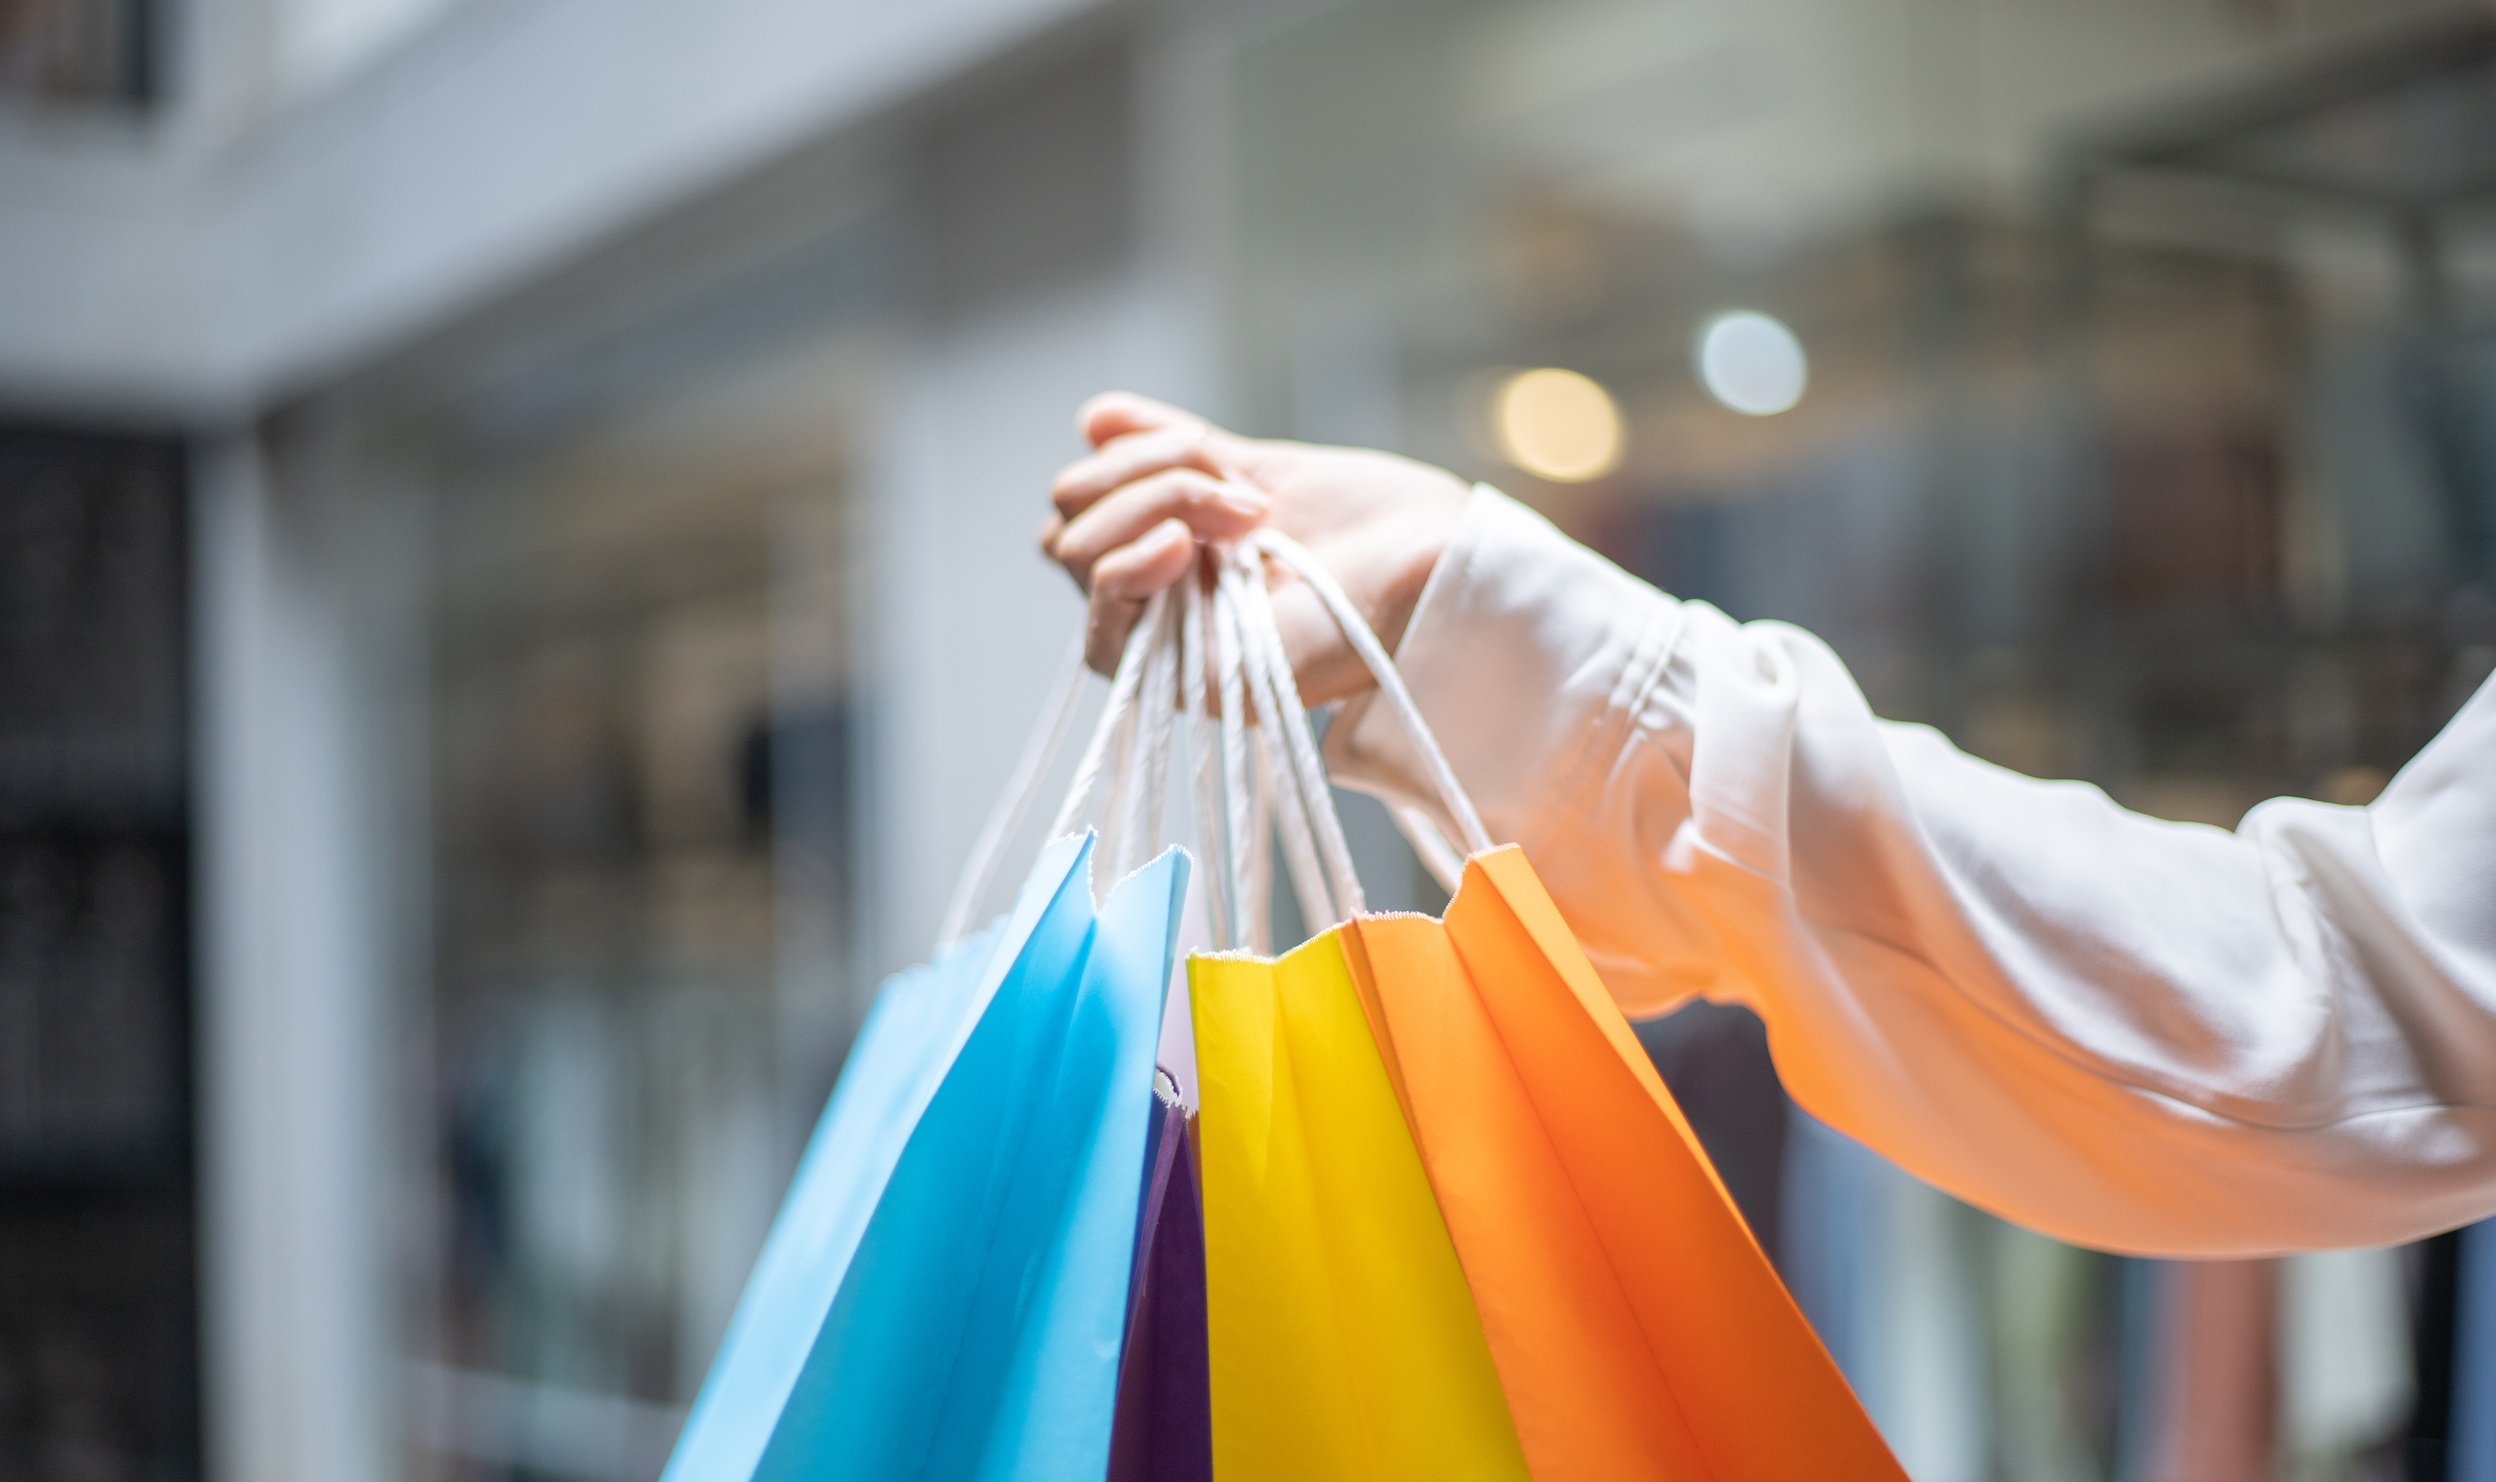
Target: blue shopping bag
[
  {"x": 912, "y": 1035},
  {"x": 944, "y": 1292},
  {"x": 977, "y": 1332}
]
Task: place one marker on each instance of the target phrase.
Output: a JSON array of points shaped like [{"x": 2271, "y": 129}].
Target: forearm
[{"x": 2138, "y": 1034}]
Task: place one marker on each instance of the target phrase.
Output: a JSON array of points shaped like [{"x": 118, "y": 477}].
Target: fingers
[
  {"x": 1114, "y": 414},
  {"x": 1205, "y": 507},
  {"x": 1127, "y": 458},
  {"x": 1122, "y": 579},
  {"x": 1323, "y": 666},
  {"x": 1127, "y": 517}
]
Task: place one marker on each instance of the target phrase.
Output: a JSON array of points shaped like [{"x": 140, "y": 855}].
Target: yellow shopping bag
[{"x": 1343, "y": 1339}]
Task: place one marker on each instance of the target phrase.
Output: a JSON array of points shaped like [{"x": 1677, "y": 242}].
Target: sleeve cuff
[{"x": 1526, "y": 654}]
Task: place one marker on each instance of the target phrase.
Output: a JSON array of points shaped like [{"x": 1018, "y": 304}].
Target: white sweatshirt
[{"x": 2144, "y": 1036}]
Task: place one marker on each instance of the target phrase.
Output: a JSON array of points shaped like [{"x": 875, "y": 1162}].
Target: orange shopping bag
[{"x": 1637, "y": 1327}]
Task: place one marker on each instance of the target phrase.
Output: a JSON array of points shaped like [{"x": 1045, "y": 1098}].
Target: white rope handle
[
  {"x": 1339, "y": 605},
  {"x": 1311, "y": 828},
  {"x": 1276, "y": 783},
  {"x": 1117, "y": 778},
  {"x": 1222, "y": 882},
  {"x": 1145, "y": 775},
  {"x": 979, "y": 872},
  {"x": 1126, "y": 796},
  {"x": 1114, "y": 729},
  {"x": 1288, "y": 786},
  {"x": 1244, "y": 817},
  {"x": 1241, "y": 804},
  {"x": 1124, "y": 686},
  {"x": 1285, "y": 780}
]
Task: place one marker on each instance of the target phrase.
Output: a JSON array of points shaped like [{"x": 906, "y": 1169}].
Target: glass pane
[{"x": 641, "y": 764}]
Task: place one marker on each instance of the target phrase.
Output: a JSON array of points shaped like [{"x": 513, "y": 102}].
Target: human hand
[{"x": 1129, "y": 516}]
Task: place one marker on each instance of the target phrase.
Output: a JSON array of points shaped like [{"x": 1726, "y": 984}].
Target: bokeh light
[
  {"x": 1557, "y": 424},
  {"x": 1751, "y": 362}
]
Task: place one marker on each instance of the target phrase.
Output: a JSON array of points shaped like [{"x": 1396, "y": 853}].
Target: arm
[
  {"x": 2139, "y": 1035},
  {"x": 2135, "y": 1034}
]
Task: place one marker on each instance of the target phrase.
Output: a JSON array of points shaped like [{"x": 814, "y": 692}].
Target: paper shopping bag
[
  {"x": 1343, "y": 1340},
  {"x": 1638, "y": 1329},
  {"x": 974, "y": 1327},
  {"x": 910, "y": 1038},
  {"x": 1163, "y": 1431},
  {"x": 977, "y": 1334}
]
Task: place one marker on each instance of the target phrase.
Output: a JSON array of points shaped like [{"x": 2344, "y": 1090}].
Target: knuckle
[
  {"x": 1132, "y": 572},
  {"x": 1186, "y": 448},
  {"x": 1210, "y": 495},
  {"x": 1114, "y": 574},
  {"x": 1182, "y": 488},
  {"x": 1155, "y": 449},
  {"x": 1080, "y": 540}
]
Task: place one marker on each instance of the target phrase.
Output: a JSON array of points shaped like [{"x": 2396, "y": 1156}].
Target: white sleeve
[{"x": 2138, "y": 1035}]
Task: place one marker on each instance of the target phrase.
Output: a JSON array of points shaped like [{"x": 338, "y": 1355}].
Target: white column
[
  {"x": 968, "y": 622},
  {"x": 295, "y": 1270}
]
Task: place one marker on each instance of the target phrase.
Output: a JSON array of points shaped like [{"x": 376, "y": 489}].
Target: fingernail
[{"x": 1244, "y": 500}]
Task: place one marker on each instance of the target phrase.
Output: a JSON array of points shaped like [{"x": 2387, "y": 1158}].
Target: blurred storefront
[
  {"x": 601, "y": 449},
  {"x": 2112, "y": 395}
]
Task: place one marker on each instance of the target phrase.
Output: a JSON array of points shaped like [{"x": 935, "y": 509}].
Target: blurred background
[{"x": 516, "y": 589}]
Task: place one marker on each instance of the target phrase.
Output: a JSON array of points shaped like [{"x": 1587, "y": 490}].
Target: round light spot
[
  {"x": 1556, "y": 424},
  {"x": 1751, "y": 363}
]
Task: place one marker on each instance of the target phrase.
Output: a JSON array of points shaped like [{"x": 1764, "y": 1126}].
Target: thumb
[{"x": 1322, "y": 660}]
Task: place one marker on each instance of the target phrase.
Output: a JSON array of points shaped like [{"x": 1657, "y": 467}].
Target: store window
[
  {"x": 2109, "y": 385},
  {"x": 640, "y": 980}
]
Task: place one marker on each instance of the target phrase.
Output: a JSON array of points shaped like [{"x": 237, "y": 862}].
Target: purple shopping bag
[{"x": 1163, "y": 1430}]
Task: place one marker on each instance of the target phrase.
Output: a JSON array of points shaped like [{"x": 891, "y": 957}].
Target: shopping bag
[
  {"x": 945, "y": 1290},
  {"x": 909, "y": 1040},
  {"x": 1638, "y": 1329},
  {"x": 1343, "y": 1339},
  {"x": 977, "y": 1332},
  {"x": 1163, "y": 1430}
]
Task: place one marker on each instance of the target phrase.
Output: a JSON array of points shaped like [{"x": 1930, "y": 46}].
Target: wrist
[{"x": 1410, "y": 553}]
